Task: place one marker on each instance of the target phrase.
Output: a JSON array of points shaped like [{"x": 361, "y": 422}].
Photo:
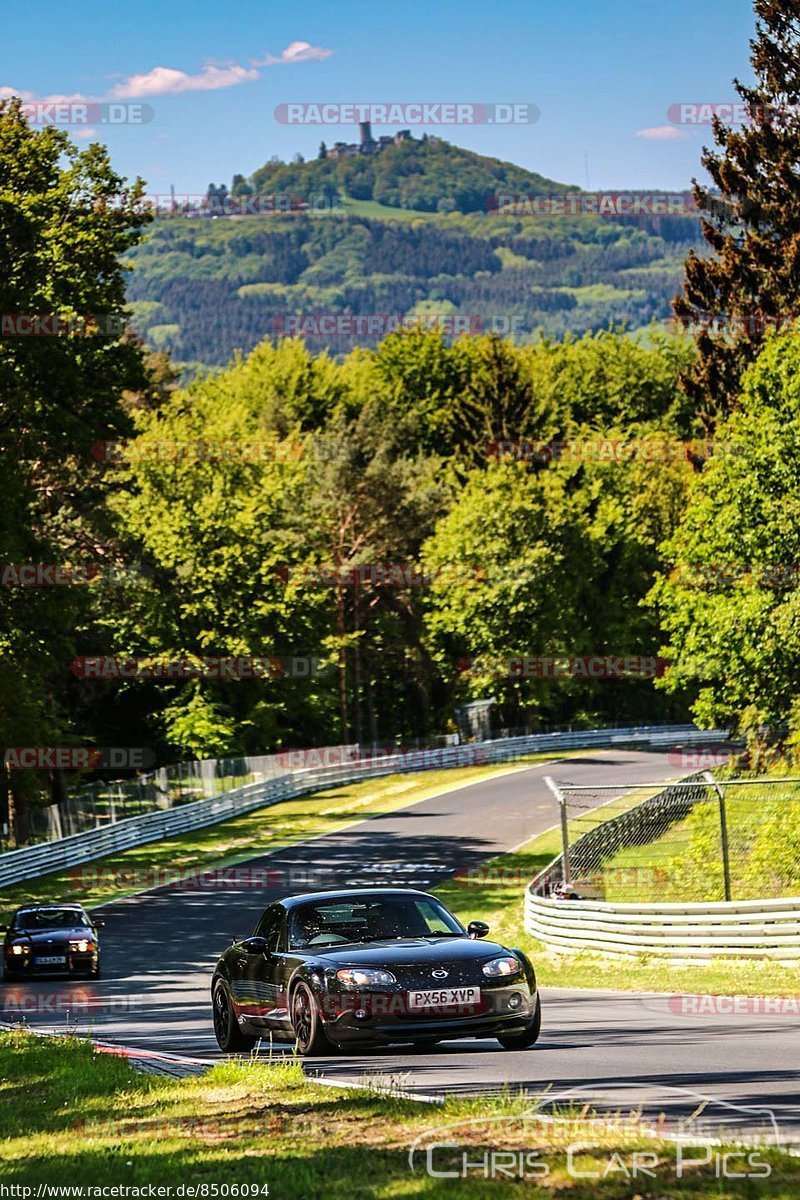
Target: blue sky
[{"x": 601, "y": 73}]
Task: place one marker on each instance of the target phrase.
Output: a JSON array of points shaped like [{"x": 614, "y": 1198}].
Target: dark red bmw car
[
  {"x": 373, "y": 966},
  {"x": 51, "y": 939}
]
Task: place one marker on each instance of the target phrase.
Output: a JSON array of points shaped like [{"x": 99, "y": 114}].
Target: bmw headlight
[
  {"x": 20, "y": 948},
  {"x": 502, "y": 966},
  {"x": 356, "y": 977},
  {"x": 82, "y": 946}
]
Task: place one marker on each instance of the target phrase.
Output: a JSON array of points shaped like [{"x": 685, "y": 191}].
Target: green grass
[
  {"x": 374, "y": 209},
  {"x": 685, "y": 863},
  {"x": 495, "y": 892},
  {"x": 259, "y": 832},
  {"x": 69, "y": 1116}
]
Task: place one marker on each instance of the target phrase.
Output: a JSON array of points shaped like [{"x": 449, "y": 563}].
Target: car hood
[
  {"x": 396, "y": 952},
  {"x": 56, "y": 936}
]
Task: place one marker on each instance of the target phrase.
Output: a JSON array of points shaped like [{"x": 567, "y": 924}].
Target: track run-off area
[{"x": 601, "y": 1048}]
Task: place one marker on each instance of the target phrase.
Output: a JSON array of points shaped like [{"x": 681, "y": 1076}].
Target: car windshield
[
  {"x": 35, "y": 919},
  {"x": 340, "y": 922}
]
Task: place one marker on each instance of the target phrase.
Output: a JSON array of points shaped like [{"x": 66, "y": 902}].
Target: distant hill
[
  {"x": 428, "y": 175},
  {"x": 409, "y": 233}
]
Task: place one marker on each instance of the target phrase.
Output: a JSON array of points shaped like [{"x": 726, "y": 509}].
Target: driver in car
[{"x": 310, "y": 930}]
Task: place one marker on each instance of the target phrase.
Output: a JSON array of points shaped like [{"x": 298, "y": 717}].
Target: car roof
[{"x": 290, "y": 902}]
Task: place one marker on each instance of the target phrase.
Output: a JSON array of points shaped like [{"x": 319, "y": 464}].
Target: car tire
[
  {"x": 521, "y": 1041},
  {"x": 229, "y": 1036},
  {"x": 309, "y": 1035}
]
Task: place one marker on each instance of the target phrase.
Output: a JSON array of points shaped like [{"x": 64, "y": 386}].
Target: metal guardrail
[
  {"x": 31, "y": 862},
  {"x": 744, "y": 929}
]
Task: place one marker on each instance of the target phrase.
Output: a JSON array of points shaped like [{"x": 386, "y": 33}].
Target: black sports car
[
  {"x": 51, "y": 939},
  {"x": 336, "y": 969}
]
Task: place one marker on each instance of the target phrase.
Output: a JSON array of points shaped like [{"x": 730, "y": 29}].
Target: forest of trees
[
  {"x": 204, "y": 289},
  {"x": 399, "y": 513}
]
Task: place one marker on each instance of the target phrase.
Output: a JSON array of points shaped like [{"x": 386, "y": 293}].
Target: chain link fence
[
  {"x": 104, "y": 803},
  {"x": 699, "y": 839}
]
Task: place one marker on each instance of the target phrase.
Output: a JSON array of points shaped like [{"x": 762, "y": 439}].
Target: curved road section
[{"x": 597, "y": 1047}]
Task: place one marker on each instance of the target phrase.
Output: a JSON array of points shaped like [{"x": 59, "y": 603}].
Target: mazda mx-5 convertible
[{"x": 374, "y": 966}]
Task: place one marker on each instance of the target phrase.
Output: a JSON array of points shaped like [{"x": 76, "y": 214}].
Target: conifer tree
[{"x": 751, "y": 282}]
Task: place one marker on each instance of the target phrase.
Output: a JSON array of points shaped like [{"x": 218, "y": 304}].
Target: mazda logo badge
[{"x": 439, "y": 973}]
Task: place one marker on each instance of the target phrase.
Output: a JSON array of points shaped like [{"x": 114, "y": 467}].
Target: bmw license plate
[
  {"x": 445, "y": 998},
  {"x": 52, "y": 960}
]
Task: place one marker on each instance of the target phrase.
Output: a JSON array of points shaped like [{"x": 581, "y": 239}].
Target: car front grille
[{"x": 420, "y": 976}]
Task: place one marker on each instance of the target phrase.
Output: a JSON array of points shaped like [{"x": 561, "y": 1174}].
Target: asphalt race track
[{"x": 602, "y": 1048}]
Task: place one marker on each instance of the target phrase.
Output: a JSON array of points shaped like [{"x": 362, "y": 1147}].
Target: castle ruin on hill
[{"x": 367, "y": 144}]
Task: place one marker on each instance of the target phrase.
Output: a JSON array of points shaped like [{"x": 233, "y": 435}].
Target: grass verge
[
  {"x": 69, "y": 1116},
  {"x": 259, "y": 832}
]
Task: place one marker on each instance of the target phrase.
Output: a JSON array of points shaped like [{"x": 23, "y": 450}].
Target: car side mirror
[
  {"x": 99, "y": 923},
  {"x": 255, "y": 945},
  {"x": 477, "y": 929}
]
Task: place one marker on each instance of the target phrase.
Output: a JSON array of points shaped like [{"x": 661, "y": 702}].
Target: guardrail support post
[
  {"x": 562, "y": 802},
  {"x": 723, "y": 829}
]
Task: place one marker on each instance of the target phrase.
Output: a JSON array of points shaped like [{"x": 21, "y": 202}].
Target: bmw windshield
[{"x": 37, "y": 919}]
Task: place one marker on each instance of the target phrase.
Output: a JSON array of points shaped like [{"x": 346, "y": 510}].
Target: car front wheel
[
  {"x": 226, "y": 1029},
  {"x": 521, "y": 1041},
  {"x": 310, "y": 1037}
]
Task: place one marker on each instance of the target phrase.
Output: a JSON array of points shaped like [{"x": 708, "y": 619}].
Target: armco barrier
[
  {"x": 743, "y": 929},
  {"x": 32, "y": 862}
]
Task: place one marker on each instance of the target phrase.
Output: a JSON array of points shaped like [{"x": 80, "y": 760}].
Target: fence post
[
  {"x": 562, "y": 801},
  {"x": 723, "y": 829}
]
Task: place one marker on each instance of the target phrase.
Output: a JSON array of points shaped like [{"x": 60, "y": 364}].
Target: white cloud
[
  {"x": 56, "y": 98},
  {"x": 85, "y": 134},
  {"x": 163, "y": 81},
  {"x": 662, "y": 133},
  {"x": 6, "y": 93},
  {"x": 296, "y": 52}
]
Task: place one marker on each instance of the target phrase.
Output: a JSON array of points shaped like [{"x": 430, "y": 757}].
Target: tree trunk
[
  {"x": 341, "y": 630},
  {"x": 357, "y": 663}
]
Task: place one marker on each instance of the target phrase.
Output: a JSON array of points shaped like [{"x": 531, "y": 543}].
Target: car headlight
[
  {"x": 83, "y": 945},
  {"x": 502, "y": 966},
  {"x": 364, "y": 977},
  {"x": 19, "y": 948}
]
